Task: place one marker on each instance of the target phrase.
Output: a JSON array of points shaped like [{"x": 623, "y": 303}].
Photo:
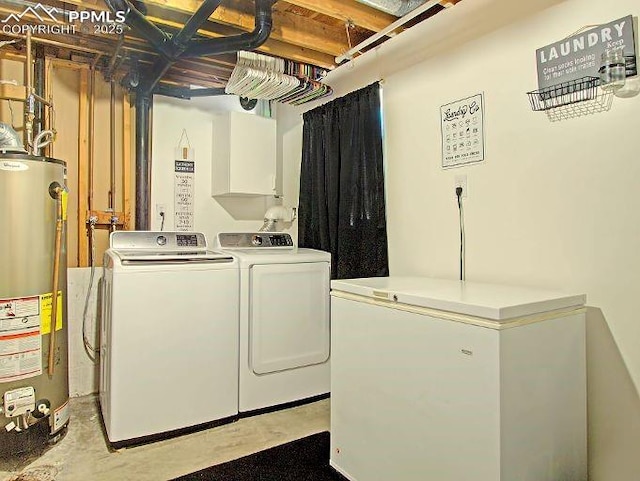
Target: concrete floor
[{"x": 83, "y": 453}]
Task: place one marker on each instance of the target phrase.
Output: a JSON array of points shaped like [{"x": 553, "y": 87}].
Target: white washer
[
  {"x": 284, "y": 319},
  {"x": 169, "y": 335}
]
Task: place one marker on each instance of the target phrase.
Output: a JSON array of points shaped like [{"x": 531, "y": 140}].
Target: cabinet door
[
  {"x": 244, "y": 155},
  {"x": 413, "y": 397},
  {"x": 289, "y": 316},
  {"x": 253, "y": 154}
]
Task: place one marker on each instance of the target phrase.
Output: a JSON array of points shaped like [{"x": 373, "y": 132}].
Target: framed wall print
[{"x": 462, "y": 124}]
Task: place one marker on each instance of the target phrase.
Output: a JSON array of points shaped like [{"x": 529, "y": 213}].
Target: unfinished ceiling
[{"x": 314, "y": 32}]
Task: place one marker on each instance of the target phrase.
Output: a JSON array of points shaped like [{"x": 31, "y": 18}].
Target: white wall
[{"x": 553, "y": 205}]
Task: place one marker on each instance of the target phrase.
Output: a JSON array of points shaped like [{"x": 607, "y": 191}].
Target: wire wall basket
[
  {"x": 575, "y": 98},
  {"x": 602, "y": 102},
  {"x": 565, "y": 93}
]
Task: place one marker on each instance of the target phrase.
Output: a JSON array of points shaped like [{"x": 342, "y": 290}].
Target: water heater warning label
[
  {"x": 45, "y": 312},
  {"x": 20, "y": 338},
  {"x": 60, "y": 417},
  {"x": 16, "y": 308}
]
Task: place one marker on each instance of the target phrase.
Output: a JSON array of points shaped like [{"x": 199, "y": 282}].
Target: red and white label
[{"x": 20, "y": 339}]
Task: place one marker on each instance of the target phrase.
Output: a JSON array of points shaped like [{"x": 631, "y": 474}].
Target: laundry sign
[
  {"x": 185, "y": 170},
  {"x": 462, "y": 125},
  {"x": 580, "y": 54}
]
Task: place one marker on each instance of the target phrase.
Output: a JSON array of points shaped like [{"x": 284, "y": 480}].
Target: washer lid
[
  {"x": 141, "y": 247},
  {"x": 132, "y": 256}
]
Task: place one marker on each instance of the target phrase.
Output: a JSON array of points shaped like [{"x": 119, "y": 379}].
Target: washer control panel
[
  {"x": 252, "y": 240},
  {"x": 158, "y": 241}
]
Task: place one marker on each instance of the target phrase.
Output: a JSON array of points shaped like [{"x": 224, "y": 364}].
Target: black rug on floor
[{"x": 306, "y": 459}]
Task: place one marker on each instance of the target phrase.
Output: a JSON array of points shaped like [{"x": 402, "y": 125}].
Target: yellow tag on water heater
[
  {"x": 46, "y": 302},
  {"x": 65, "y": 202}
]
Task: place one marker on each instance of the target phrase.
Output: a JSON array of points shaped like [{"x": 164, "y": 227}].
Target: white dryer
[
  {"x": 169, "y": 335},
  {"x": 284, "y": 319}
]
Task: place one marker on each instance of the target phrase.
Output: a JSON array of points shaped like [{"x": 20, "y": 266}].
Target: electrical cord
[
  {"x": 462, "y": 233},
  {"x": 162, "y": 223}
]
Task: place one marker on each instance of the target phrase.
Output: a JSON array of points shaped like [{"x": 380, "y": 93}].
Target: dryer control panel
[{"x": 253, "y": 240}]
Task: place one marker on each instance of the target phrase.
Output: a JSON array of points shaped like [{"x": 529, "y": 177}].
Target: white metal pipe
[
  {"x": 397, "y": 24},
  {"x": 38, "y": 143}
]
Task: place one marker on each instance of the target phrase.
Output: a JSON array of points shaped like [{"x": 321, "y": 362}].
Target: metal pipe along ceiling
[{"x": 399, "y": 8}]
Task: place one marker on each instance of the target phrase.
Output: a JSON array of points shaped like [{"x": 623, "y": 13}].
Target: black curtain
[{"x": 342, "y": 206}]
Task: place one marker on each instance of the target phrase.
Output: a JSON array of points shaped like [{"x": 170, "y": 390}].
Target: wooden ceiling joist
[
  {"x": 348, "y": 11},
  {"x": 288, "y": 29},
  {"x": 308, "y": 31}
]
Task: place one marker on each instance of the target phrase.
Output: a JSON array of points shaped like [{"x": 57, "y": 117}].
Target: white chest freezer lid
[{"x": 490, "y": 301}]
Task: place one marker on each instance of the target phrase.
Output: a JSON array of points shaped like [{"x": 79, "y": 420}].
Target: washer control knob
[
  {"x": 256, "y": 240},
  {"x": 161, "y": 240}
]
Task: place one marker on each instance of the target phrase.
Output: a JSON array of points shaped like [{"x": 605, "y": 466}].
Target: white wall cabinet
[{"x": 244, "y": 155}]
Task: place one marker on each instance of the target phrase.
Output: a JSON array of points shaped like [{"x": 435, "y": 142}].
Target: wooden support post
[
  {"x": 126, "y": 159},
  {"x": 83, "y": 170}
]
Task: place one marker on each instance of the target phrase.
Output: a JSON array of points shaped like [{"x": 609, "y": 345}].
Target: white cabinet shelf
[{"x": 244, "y": 155}]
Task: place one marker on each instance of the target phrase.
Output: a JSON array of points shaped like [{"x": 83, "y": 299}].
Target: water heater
[{"x": 34, "y": 381}]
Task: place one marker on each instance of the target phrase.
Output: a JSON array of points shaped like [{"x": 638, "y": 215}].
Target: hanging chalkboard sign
[{"x": 579, "y": 55}]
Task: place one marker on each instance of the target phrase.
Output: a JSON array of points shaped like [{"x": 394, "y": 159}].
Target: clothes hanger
[{"x": 257, "y": 76}]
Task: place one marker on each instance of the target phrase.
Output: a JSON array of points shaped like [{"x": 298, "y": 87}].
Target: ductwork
[
  {"x": 399, "y": 8},
  {"x": 139, "y": 24},
  {"x": 143, "y": 105},
  {"x": 183, "y": 45},
  {"x": 10, "y": 141},
  {"x": 188, "y": 93},
  {"x": 245, "y": 41}
]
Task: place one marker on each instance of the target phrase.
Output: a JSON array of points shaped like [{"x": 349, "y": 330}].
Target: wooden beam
[
  {"x": 298, "y": 54},
  {"x": 13, "y": 92},
  {"x": 307, "y": 33},
  {"x": 348, "y": 11},
  {"x": 288, "y": 29},
  {"x": 98, "y": 45},
  {"x": 273, "y": 46},
  {"x": 83, "y": 169},
  {"x": 126, "y": 160},
  {"x": 103, "y": 218},
  {"x": 68, "y": 64}
]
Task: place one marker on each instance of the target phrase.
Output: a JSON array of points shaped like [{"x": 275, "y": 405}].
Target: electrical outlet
[
  {"x": 461, "y": 181},
  {"x": 160, "y": 208}
]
